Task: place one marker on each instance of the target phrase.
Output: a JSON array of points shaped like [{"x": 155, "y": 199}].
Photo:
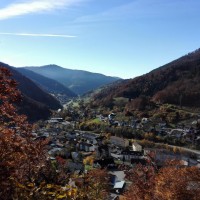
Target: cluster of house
[
  {"x": 189, "y": 133},
  {"x": 76, "y": 145},
  {"x": 135, "y": 123}
]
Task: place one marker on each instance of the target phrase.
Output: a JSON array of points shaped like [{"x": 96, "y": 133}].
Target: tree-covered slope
[
  {"x": 177, "y": 82},
  {"x": 47, "y": 84},
  {"x": 33, "y": 97}
]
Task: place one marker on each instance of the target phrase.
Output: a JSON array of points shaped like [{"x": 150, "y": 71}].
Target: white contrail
[
  {"x": 39, "y": 35},
  {"x": 34, "y": 6}
]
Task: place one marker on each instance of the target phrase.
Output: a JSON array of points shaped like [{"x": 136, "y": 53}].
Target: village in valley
[{"x": 82, "y": 149}]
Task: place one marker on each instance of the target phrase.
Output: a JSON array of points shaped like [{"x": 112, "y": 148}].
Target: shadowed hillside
[
  {"x": 36, "y": 103},
  {"x": 49, "y": 85}
]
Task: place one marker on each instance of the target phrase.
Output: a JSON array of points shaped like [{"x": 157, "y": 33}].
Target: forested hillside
[
  {"x": 60, "y": 91},
  {"x": 177, "y": 83},
  {"x": 36, "y": 103}
]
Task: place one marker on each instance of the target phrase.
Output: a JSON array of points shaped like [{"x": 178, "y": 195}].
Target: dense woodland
[{"x": 176, "y": 83}]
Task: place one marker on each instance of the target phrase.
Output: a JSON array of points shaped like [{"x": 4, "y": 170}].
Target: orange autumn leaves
[
  {"x": 25, "y": 173},
  {"x": 20, "y": 156},
  {"x": 171, "y": 182}
]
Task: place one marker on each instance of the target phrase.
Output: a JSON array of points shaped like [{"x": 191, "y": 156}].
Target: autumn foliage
[
  {"x": 20, "y": 156},
  {"x": 25, "y": 172},
  {"x": 93, "y": 185},
  {"x": 175, "y": 83},
  {"x": 171, "y": 182}
]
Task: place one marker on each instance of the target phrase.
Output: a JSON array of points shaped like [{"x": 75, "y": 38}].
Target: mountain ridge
[
  {"x": 32, "y": 96},
  {"x": 176, "y": 82},
  {"x": 61, "y": 92},
  {"x": 79, "y": 81}
]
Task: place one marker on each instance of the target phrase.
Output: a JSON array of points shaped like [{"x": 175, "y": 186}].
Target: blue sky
[{"x": 123, "y": 38}]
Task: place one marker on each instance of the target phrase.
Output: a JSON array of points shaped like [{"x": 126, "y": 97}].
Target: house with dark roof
[
  {"x": 103, "y": 151},
  {"x": 118, "y": 141},
  {"x": 83, "y": 146},
  {"x": 128, "y": 155}
]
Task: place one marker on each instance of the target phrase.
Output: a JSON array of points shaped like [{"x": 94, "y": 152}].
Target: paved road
[
  {"x": 187, "y": 149},
  {"x": 197, "y": 152}
]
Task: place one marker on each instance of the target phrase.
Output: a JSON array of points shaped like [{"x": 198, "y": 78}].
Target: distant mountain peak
[
  {"x": 36, "y": 103},
  {"x": 79, "y": 81},
  {"x": 53, "y": 66}
]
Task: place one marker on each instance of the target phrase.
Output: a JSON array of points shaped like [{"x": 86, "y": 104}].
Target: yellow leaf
[
  {"x": 49, "y": 186},
  {"x": 31, "y": 185},
  {"x": 61, "y": 196},
  {"x": 20, "y": 185},
  {"x": 51, "y": 193}
]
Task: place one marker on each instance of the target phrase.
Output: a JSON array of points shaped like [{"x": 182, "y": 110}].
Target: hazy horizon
[{"x": 116, "y": 38}]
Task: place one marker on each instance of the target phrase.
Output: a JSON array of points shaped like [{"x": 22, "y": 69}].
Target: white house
[
  {"x": 144, "y": 120},
  {"x": 136, "y": 147}
]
